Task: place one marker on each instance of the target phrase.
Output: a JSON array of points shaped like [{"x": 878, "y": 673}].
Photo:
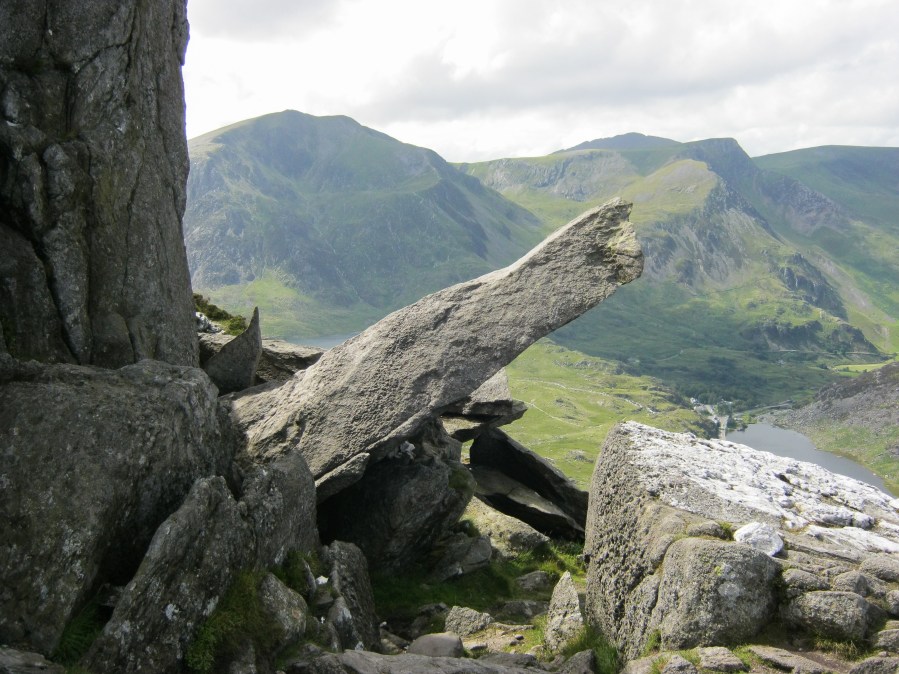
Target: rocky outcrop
[
  {"x": 233, "y": 367},
  {"x": 195, "y": 556},
  {"x": 496, "y": 451},
  {"x": 364, "y": 398},
  {"x": 491, "y": 405},
  {"x": 278, "y": 362},
  {"x": 564, "y": 620},
  {"x": 509, "y": 536},
  {"x": 92, "y": 462},
  {"x": 94, "y": 163},
  {"x": 655, "y": 499},
  {"x": 357, "y": 624}
]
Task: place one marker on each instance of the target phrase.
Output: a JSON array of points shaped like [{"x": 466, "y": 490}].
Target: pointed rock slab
[
  {"x": 371, "y": 392},
  {"x": 495, "y": 449},
  {"x": 233, "y": 368}
]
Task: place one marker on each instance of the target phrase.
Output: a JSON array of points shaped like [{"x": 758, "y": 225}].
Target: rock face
[
  {"x": 368, "y": 395},
  {"x": 489, "y": 406},
  {"x": 94, "y": 159},
  {"x": 654, "y": 495},
  {"x": 564, "y": 620},
  {"x": 75, "y": 443}
]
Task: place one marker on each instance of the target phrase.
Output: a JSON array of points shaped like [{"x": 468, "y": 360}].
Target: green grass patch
[
  {"x": 238, "y": 618},
  {"x": 80, "y": 633},
  {"x": 483, "y": 590},
  {"x": 608, "y": 660}
]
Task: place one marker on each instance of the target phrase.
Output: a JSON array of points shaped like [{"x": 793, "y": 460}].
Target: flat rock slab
[
  {"x": 368, "y": 395},
  {"x": 786, "y": 660},
  {"x": 720, "y": 659}
]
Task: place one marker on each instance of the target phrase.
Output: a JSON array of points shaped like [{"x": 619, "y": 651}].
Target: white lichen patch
[{"x": 722, "y": 480}]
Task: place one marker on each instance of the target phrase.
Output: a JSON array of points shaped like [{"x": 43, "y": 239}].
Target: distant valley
[{"x": 761, "y": 274}]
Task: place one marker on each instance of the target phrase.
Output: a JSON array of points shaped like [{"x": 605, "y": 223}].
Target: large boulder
[
  {"x": 93, "y": 461},
  {"x": 496, "y": 450},
  {"x": 366, "y": 397},
  {"x": 94, "y": 163},
  {"x": 358, "y": 623},
  {"x": 195, "y": 556},
  {"x": 712, "y": 592},
  {"x": 655, "y": 499}
]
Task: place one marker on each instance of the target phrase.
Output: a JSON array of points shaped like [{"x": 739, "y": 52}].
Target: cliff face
[{"x": 93, "y": 163}]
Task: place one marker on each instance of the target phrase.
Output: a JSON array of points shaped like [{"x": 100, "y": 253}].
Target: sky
[{"x": 485, "y": 79}]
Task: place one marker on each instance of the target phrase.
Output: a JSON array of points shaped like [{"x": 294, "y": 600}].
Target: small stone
[
  {"x": 885, "y": 567},
  {"x": 888, "y": 640},
  {"x": 720, "y": 659},
  {"x": 583, "y": 662},
  {"x": 465, "y": 621},
  {"x": 892, "y": 600},
  {"x": 851, "y": 581},
  {"x": 762, "y": 537},
  {"x": 877, "y": 665},
  {"x": 23, "y": 662},
  {"x": 564, "y": 620},
  {"x": 707, "y": 528},
  {"x": 441, "y": 644},
  {"x": 534, "y": 581},
  {"x": 677, "y": 664}
]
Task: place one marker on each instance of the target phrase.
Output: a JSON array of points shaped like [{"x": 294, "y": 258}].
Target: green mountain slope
[
  {"x": 328, "y": 225},
  {"x": 730, "y": 305}
]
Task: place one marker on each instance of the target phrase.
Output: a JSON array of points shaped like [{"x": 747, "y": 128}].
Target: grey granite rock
[
  {"x": 233, "y": 367},
  {"x": 834, "y": 615},
  {"x": 349, "y": 578},
  {"x": 884, "y": 567},
  {"x": 465, "y": 621},
  {"x": 374, "y": 391},
  {"x": 13, "y": 661},
  {"x": 564, "y": 620},
  {"x": 441, "y": 644},
  {"x": 783, "y": 659},
  {"x": 278, "y": 362},
  {"x": 508, "y": 535},
  {"x": 95, "y": 162},
  {"x": 876, "y": 665},
  {"x": 720, "y": 659},
  {"x": 286, "y": 607},
  {"x": 76, "y": 441}
]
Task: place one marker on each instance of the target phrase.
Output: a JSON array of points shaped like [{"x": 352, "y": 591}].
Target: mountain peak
[{"x": 624, "y": 141}]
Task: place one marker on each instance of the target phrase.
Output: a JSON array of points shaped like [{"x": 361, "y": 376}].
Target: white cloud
[{"x": 489, "y": 78}]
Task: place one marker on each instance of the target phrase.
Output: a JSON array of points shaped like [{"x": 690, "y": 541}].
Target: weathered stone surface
[
  {"x": 885, "y": 567},
  {"x": 834, "y": 615},
  {"x": 763, "y": 537},
  {"x": 374, "y": 391},
  {"x": 797, "y": 582},
  {"x": 278, "y": 362},
  {"x": 75, "y": 441},
  {"x": 94, "y": 159},
  {"x": 892, "y": 603},
  {"x": 888, "y": 640},
  {"x": 508, "y": 535},
  {"x": 363, "y": 662},
  {"x": 349, "y": 578},
  {"x": 286, "y": 607},
  {"x": 720, "y": 659},
  {"x": 495, "y": 449},
  {"x": 22, "y": 662},
  {"x": 399, "y": 509},
  {"x": 851, "y": 581},
  {"x": 534, "y": 581},
  {"x": 233, "y": 367},
  {"x": 462, "y": 554},
  {"x": 564, "y": 619},
  {"x": 509, "y": 496},
  {"x": 643, "y": 473},
  {"x": 195, "y": 555},
  {"x": 464, "y": 621},
  {"x": 579, "y": 663},
  {"x": 876, "y": 665},
  {"x": 712, "y": 592},
  {"x": 792, "y": 662},
  {"x": 491, "y": 405},
  {"x": 439, "y": 645},
  {"x": 678, "y": 664}
]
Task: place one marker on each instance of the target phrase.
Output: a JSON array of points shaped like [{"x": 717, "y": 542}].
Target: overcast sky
[{"x": 483, "y": 79}]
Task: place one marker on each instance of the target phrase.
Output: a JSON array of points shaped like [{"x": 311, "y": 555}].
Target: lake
[{"x": 793, "y": 445}]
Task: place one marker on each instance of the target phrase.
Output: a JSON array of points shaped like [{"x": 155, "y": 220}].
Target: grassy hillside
[
  {"x": 727, "y": 307},
  {"x": 328, "y": 225}
]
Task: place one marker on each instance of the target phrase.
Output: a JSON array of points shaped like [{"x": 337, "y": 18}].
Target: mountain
[
  {"x": 327, "y": 225},
  {"x": 755, "y": 281},
  {"x": 625, "y": 141}
]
